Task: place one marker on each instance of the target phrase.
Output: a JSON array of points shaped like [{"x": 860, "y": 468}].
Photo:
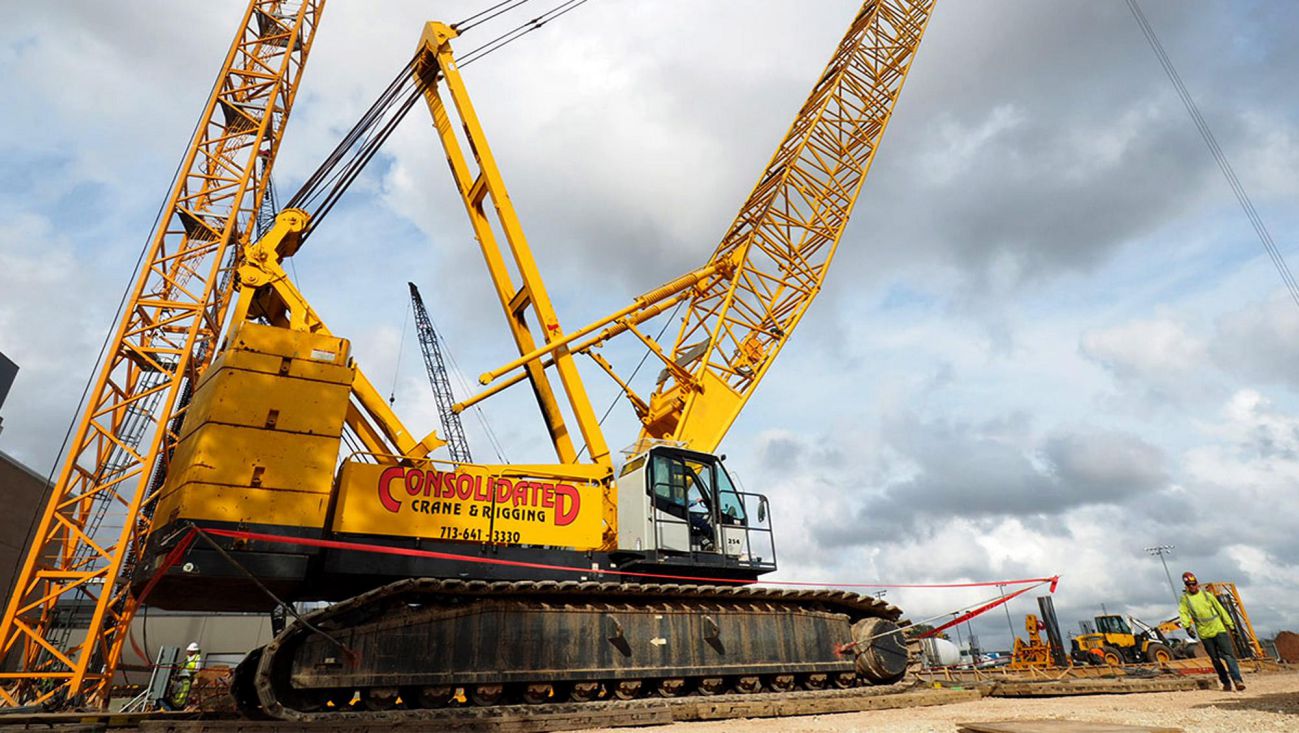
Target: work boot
[{"x": 1240, "y": 686}]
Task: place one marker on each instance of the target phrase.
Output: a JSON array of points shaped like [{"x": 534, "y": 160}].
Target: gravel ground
[{"x": 1269, "y": 705}]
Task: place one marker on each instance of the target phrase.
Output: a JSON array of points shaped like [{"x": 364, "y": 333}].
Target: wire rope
[
  {"x": 401, "y": 347},
  {"x": 1246, "y": 204},
  {"x": 518, "y": 32},
  {"x": 466, "y": 390},
  {"x": 468, "y": 23}
]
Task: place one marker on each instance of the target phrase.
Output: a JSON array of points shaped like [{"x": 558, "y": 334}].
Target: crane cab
[{"x": 674, "y": 502}]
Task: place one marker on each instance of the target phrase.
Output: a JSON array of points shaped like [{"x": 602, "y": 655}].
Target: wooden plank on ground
[
  {"x": 1058, "y": 726},
  {"x": 501, "y": 720},
  {"x": 1126, "y": 686},
  {"x": 737, "y": 706},
  {"x": 575, "y": 716},
  {"x": 70, "y": 722}
]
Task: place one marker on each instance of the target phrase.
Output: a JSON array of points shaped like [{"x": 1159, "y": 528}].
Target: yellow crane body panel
[
  {"x": 471, "y": 503},
  {"x": 261, "y": 438}
]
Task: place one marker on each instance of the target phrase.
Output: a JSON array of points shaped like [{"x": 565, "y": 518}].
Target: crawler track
[{"x": 423, "y": 644}]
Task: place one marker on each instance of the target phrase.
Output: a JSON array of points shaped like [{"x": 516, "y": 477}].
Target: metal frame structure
[
  {"x": 167, "y": 335},
  {"x": 480, "y": 185}
]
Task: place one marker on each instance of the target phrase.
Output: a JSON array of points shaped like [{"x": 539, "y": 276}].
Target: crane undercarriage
[{"x": 427, "y": 643}]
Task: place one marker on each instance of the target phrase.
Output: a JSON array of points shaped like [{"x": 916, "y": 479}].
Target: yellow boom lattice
[
  {"x": 100, "y": 509},
  {"x": 786, "y": 233}
]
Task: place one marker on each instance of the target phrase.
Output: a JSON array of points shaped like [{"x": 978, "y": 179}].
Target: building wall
[
  {"x": 21, "y": 493},
  {"x": 224, "y": 639}
]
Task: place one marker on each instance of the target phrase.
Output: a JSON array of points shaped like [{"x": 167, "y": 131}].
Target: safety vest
[
  {"x": 1207, "y": 614},
  {"x": 190, "y": 667}
]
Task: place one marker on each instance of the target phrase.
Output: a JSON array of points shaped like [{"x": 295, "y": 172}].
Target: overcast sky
[{"x": 1050, "y": 338}]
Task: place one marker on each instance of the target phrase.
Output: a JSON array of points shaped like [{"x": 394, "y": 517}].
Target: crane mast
[
  {"x": 99, "y": 512},
  {"x": 436, "y": 367}
]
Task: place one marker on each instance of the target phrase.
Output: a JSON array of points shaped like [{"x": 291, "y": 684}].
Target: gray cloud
[
  {"x": 1259, "y": 342},
  {"x": 977, "y": 472}
]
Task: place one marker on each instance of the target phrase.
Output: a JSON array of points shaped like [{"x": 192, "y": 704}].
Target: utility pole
[
  {"x": 1002, "y": 590},
  {"x": 1162, "y": 551}
]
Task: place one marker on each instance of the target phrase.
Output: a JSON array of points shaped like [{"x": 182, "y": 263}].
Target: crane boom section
[
  {"x": 787, "y": 231},
  {"x": 99, "y": 511},
  {"x": 437, "y": 67}
]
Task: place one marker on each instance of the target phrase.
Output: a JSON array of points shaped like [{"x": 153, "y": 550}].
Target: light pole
[{"x": 1161, "y": 551}]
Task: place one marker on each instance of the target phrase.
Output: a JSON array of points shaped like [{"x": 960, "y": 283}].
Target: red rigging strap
[
  {"x": 187, "y": 539},
  {"x": 985, "y": 608}
]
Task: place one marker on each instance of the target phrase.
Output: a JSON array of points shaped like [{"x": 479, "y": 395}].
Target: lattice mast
[
  {"x": 453, "y": 431},
  {"x": 99, "y": 511},
  {"x": 787, "y": 231}
]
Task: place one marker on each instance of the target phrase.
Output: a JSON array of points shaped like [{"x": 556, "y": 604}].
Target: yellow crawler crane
[{"x": 291, "y": 479}]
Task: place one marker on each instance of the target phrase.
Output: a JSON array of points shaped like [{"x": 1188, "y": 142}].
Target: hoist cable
[
  {"x": 465, "y": 389},
  {"x": 317, "y": 179},
  {"x": 518, "y": 32},
  {"x": 468, "y": 23},
  {"x": 118, "y": 316},
  {"x": 363, "y": 156},
  {"x": 1228, "y": 172},
  {"x": 401, "y": 347},
  {"x": 326, "y": 185}
]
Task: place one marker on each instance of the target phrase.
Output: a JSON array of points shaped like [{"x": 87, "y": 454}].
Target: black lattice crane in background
[{"x": 453, "y": 430}]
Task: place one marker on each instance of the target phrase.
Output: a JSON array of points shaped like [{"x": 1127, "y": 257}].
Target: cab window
[
  {"x": 681, "y": 484},
  {"x": 669, "y": 484},
  {"x": 1113, "y": 625},
  {"x": 729, "y": 500}
]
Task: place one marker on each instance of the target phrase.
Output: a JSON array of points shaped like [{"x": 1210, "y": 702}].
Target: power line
[{"x": 1237, "y": 188}]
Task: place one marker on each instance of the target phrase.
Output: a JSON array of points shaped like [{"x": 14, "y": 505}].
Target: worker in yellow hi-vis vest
[
  {"x": 1203, "y": 615},
  {"x": 186, "y": 674}
]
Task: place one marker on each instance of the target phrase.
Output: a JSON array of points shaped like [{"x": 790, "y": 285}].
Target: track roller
[{"x": 881, "y": 650}]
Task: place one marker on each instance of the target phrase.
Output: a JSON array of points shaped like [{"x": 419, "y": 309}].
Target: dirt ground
[{"x": 1269, "y": 704}]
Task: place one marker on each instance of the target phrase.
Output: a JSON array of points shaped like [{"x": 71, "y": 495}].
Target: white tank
[{"x": 940, "y": 652}]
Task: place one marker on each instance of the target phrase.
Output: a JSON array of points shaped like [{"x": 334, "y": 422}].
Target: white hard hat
[{"x": 193, "y": 647}]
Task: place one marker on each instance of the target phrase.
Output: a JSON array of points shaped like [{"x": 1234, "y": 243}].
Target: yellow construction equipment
[
  {"x": 285, "y": 476},
  {"x": 1033, "y": 653},
  {"x": 1122, "y": 640}
]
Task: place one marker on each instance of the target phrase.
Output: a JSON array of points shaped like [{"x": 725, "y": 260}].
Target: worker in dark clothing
[{"x": 1203, "y": 615}]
